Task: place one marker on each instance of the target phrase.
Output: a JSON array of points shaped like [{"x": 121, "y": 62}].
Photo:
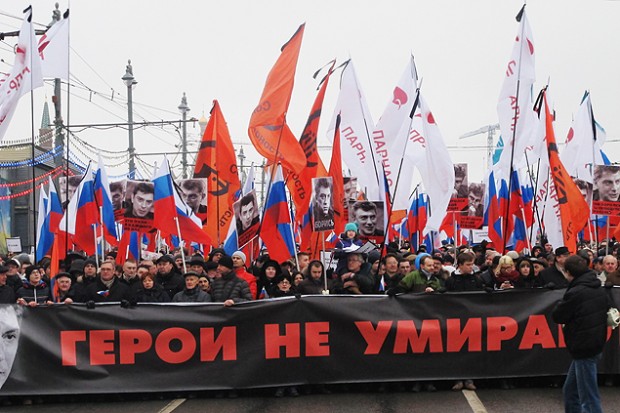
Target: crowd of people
[{"x": 220, "y": 278}]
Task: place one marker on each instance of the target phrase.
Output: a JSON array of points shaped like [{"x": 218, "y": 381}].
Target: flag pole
[
  {"x": 96, "y": 252},
  {"x": 181, "y": 243},
  {"x": 514, "y": 135}
]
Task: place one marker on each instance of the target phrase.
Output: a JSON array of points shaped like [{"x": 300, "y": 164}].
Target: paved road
[{"x": 532, "y": 400}]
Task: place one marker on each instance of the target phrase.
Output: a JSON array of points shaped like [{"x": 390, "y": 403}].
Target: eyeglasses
[{"x": 284, "y": 282}]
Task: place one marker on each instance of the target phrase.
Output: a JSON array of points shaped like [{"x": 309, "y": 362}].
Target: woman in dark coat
[{"x": 151, "y": 292}]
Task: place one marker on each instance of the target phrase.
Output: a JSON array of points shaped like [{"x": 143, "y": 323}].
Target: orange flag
[
  {"x": 574, "y": 211},
  {"x": 300, "y": 185},
  {"x": 216, "y": 161},
  {"x": 268, "y": 130},
  {"x": 335, "y": 171}
]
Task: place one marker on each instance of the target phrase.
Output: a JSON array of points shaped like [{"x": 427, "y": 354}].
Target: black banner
[{"x": 314, "y": 339}]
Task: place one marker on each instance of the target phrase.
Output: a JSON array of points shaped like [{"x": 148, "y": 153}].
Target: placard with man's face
[
  {"x": 246, "y": 218},
  {"x": 368, "y": 215},
  {"x": 458, "y": 201},
  {"x": 322, "y": 204},
  {"x": 606, "y": 193},
  {"x": 117, "y": 193},
  {"x": 139, "y": 201},
  {"x": 472, "y": 215},
  {"x": 69, "y": 187},
  {"x": 194, "y": 194}
]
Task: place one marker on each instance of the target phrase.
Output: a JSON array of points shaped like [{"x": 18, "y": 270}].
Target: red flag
[
  {"x": 216, "y": 161},
  {"x": 574, "y": 211},
  {"x": 335, "y": 171},
  {"x": 268, "y": 130},
  {"x": 300, "y": 185}
]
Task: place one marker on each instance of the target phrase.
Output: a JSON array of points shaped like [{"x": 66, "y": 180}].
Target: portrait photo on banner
[
  {"x": 368, "y": 215},
  {"x": 322, "y": 204},
  {"x": 606, "y": 191},
  {"x": 246, "y": 218},
  {"x": 472, "y": 215},
  {"x": 139, "y": 202},
  {"x": 117, "y": 193},
  {"x": 69, "y": 188},
  {"x": 460, "y": 193},
  {"x": 351, "y": 193},
  {"x": 10, "y": 322},
  {"x": 194, "y": 194}
]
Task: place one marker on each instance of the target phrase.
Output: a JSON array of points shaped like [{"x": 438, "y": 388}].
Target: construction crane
[{"x": 490, "y": 131}]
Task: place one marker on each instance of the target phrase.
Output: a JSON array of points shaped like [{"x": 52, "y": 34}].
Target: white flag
[
  {"x": 436, "y": 167},
  {"x": 25, "y": 74},
  {"x": 356, "y": 127},
  {"x": 583, "y": 143},
  {"x": 54, "y": 50},
  {"x": 517, "y": 118},
  {"x": 390, "y": 137}
]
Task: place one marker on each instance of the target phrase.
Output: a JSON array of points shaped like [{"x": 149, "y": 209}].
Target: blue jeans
[{"x": 581, "y": 388}]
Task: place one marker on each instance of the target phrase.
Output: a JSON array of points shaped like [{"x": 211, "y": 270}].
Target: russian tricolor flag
[
  {"x": 170, "y": 209},
  {"x": 276, "y": 230},
  {"x": 129, "y": 247},
  {"x": 81, "y": 214},
  {"x": 45, "y": 239},
  {"x": 103, "y": 198}
]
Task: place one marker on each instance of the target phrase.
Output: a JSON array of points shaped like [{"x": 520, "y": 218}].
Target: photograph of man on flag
[{"x": 246, "y": 218}]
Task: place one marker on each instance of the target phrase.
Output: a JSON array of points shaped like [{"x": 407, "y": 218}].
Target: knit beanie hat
[
  {"x": 239, "y": 254},
  {"x": 351, "y": 226}
]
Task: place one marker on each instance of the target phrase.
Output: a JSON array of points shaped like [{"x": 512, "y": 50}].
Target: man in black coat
[
  {"x": 7, "y": 294},
  {"x": 553, "y": 276},
  {"x": 583, "y": 311},
  {"x": 108, "y": 287},
  {"x": 168, "y": 276}
]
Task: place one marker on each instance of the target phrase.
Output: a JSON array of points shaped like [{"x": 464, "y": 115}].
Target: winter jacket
[
  {"x": 363, "y": 278},
  {"x": 554, "y": 275},
  {"x": 153, "y": 295},
  {"x": 7, "y": 295},
  {"x": 195, "y": 295},
  {"x": 249, "y": 278},
  {"x": 229, "y": 286},
  {"x": 310, "y": 286},
  {"x": 463, "y": 282},
  {"x": 172, "y": 282},
  {"x": 583, "y": 311},
  {"x": 99, "y": 293},
  {"x": 417, "y": 281},
  {"x": 31, "y": 293}
]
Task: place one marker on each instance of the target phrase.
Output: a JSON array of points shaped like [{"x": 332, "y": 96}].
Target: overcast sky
[{"x": 224, "y": 50}]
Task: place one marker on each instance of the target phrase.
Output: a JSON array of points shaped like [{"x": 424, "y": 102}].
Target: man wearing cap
[
  {"x": 553, "y": 277},
  {"x": 238, "y": 259},
  {"x": 168, "y": 276},
  {"x": 228, "y": 288},
  {"x": 7, "y": 294},
  {"x": 14, "y": 280},
  {"x": 192, "y": 293},
  {"x": 107, "y": 287},
  {"x": 197, "y": 264},
  {"x": 65, "y": 292},
  {"x": 88, "y": 276},
  {"x": 583, "y": 312}
]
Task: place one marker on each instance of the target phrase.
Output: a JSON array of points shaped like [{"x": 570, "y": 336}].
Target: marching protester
[
  {"x": 356, "y": 277},
  {"x": 229, "y": 289},
  {"x": 168, "y": 276},
  {"x": 34, "y": 291},
  {"x": 65, "y": 288},
  {"x": 314, "y": 283},
  {"x": 7, "y": 294},
  {"x": 192, "y": 293},
  {"x": 553, "y": 277},
  {"x": 392, "y": 275},
  {"x": 204, "y": 283},
  {"x": 239, "y": 259},
  {"x": 107, "y": 287},
  {"x": 583, "y": 312},
  {"x": 420, "y": 280},
  {"x": 270, "y": 271},
  {"x": 150, "y": 291}
]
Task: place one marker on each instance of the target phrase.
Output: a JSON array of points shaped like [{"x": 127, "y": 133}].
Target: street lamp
[
  {"x": 184, "y": 109},
  {"x": 130, "y": 81}
]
